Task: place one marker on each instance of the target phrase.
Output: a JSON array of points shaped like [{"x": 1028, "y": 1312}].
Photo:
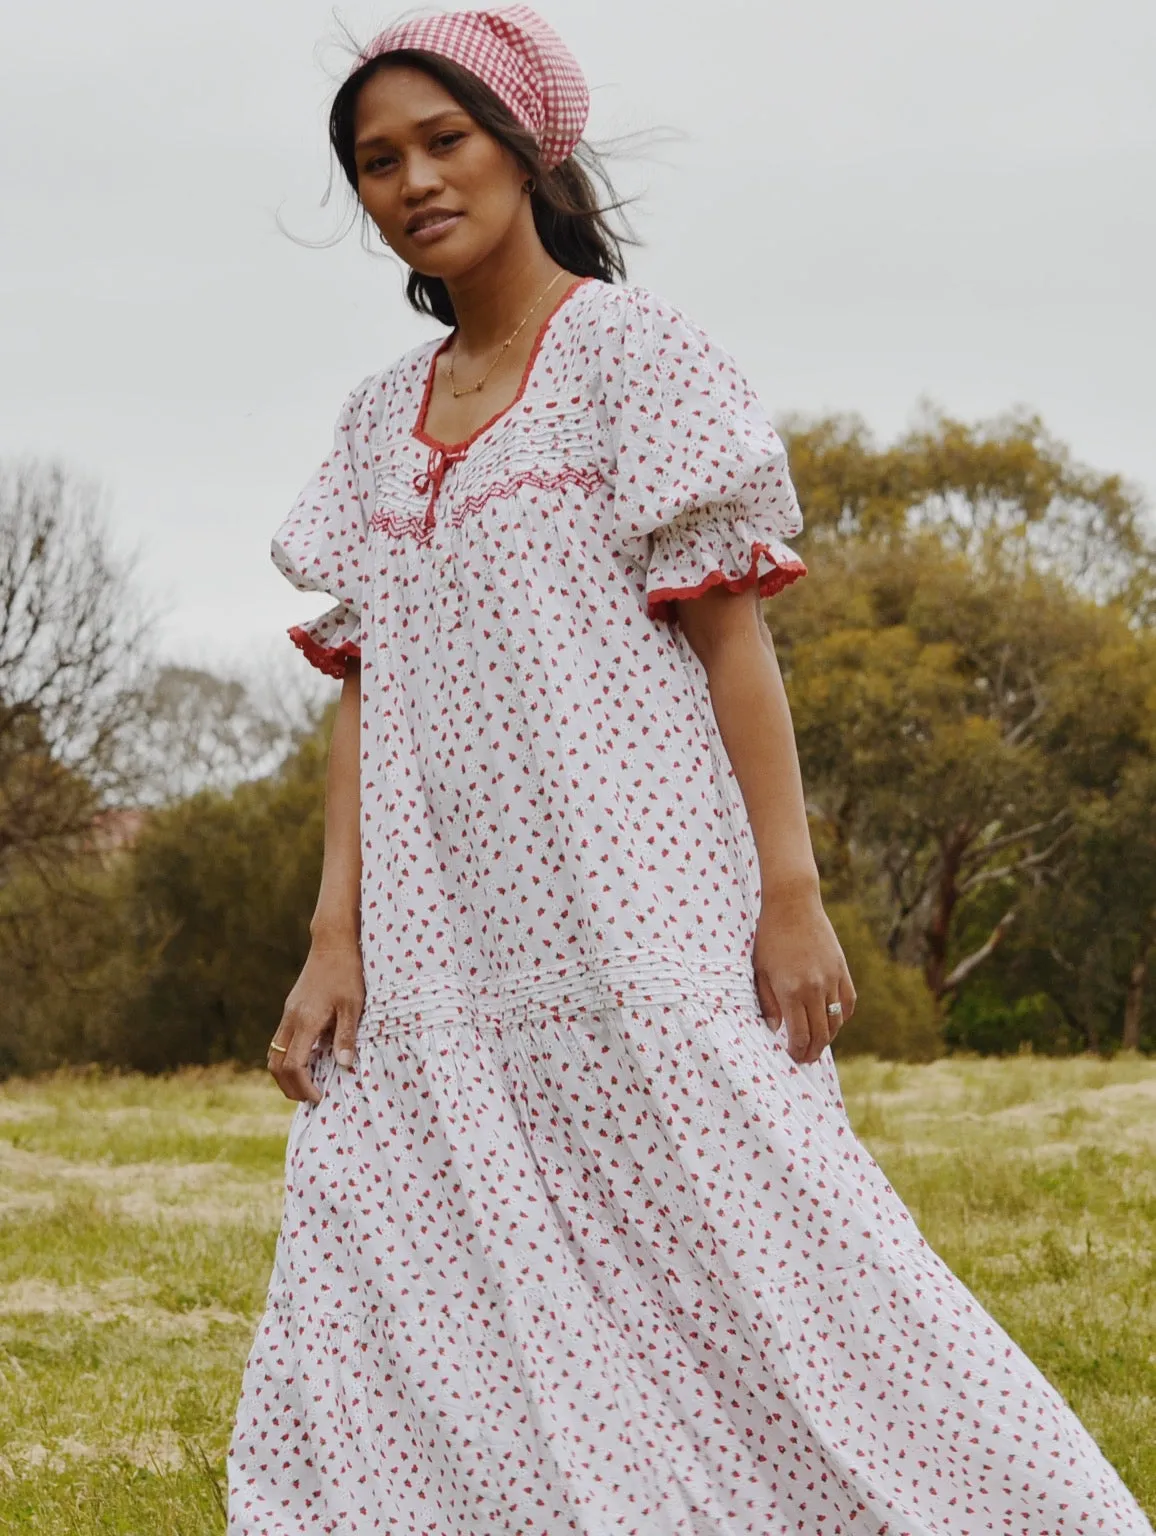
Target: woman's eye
[
  {"x": 379, "y": 162},
  {"x": 447, "y": 140}
]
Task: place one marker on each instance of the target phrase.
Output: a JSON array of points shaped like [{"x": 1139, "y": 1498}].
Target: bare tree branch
[
  {"x": 963, "y": 970},
  {"x": 72, "y": 638},
  {"x": 1016, "y": 733},
  {"x": 1030, "y": 862},
  {"x": 979, "y": 851}
]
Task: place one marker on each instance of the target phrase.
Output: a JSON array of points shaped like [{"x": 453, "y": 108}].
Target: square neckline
[{"x": 462, "y": 444}]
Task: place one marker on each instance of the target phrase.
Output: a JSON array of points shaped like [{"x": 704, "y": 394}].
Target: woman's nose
[{"x": 420, "y": 177}]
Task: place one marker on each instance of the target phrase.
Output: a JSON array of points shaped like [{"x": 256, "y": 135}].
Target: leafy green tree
[
  {"x": 919, "y": 698},
  {"x": 221, "y": 891},
  {"x": 1002, "y": 493},
  {"x": 1090, "y": 940},
  {"x": 971, "y": 675},
  {"x": 179, "y": 949},
  {"x": 896, "y": 1017},
  {"x": 68, "y": 964}
]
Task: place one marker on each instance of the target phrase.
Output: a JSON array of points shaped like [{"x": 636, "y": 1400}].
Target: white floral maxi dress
[{"x": 577, "y": 1247}]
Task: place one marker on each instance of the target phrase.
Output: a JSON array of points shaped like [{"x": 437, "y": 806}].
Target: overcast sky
[{"x": 868, "y": 204}]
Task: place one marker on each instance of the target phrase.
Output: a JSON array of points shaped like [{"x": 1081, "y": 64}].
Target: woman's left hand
[{"x": 800, "y": 968}]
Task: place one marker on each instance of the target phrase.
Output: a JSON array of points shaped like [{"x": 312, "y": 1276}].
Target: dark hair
[{"x": 571, "y": 222}]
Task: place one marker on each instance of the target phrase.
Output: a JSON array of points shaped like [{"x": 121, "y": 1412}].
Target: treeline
[{"x": 972, "y": 670}]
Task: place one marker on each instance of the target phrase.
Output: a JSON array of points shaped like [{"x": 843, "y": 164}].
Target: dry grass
[{"x": 138, "y": 1218}]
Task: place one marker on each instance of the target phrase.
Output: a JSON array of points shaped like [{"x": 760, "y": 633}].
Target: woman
[{"x": 577, "y": 1236}]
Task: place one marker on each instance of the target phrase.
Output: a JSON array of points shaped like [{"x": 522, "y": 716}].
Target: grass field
[{"x": 138, "y": 1219}]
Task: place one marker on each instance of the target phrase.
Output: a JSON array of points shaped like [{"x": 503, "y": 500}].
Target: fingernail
[{"x": 345, "y": 1058}]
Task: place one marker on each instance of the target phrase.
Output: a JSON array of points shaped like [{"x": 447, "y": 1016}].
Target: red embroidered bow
[{"x": 432, "y": 476}]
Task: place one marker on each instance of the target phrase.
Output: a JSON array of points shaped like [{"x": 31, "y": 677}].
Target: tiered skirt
[{"x": 623, "y": 1267}]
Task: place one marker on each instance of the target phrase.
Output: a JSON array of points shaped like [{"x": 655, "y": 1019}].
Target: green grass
[
  {"x": 1035, "y": 1179},
  {"x": 137, "y": 1220}
]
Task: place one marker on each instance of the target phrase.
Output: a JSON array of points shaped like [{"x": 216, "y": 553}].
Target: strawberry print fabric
[{"x": 576, "y": 1247}]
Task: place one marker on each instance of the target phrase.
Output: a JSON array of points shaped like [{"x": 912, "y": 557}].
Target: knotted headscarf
[{"x": 518, "y": 55}]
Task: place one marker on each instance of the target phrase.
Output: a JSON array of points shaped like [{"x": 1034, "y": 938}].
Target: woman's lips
[{"x": 428, "y": 233}]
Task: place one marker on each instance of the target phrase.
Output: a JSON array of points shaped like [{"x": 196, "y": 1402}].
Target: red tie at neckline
[{"x": 432, "y": 476}]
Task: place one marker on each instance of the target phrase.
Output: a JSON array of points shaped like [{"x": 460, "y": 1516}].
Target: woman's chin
[
  {"x": 446, "y": 266},
  {"x": 448, "y": 258}
]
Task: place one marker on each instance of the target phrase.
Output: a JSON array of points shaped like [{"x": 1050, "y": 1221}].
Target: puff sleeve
[
  {"x": 699, "y": 471},
  {"x": 320, "y": 545}
]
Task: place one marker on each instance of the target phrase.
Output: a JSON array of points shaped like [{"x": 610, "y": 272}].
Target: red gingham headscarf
[{"x": 518, "y": 55}]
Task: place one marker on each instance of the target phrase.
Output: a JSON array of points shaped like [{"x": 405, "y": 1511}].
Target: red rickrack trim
[
  {"x": 469, "y": 506},
  {"x": 330, "y": 659},
  {"x": 660, "y": 603}
]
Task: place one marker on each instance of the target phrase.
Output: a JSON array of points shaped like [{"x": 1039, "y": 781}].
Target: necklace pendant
[{"x": 473, "y": 389}]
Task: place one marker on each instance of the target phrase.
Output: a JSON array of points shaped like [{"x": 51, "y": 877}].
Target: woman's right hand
[{"x": 329, "y": 995}]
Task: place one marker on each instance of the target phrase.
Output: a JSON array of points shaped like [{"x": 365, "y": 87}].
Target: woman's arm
[
  {"x": 799, "y": 965},
  {"x": 337, "y": 915},
  {"x": 330, "y": 992}
]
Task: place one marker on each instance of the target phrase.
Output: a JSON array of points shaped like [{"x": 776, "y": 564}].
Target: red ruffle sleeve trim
[
  {"x": 331, "y": 659},
  {"x": 660, "y": 603}
]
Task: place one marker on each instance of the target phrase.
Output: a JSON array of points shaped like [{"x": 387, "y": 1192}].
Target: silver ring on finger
[{"x": 835, "y": 1010}]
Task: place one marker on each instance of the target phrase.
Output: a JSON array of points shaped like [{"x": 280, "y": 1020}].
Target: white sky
[{"x": 868, "y": 204}]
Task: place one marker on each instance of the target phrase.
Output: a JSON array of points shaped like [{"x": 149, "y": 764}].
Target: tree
[
  {"x": 1092, "y": 943},
  {"x": 71, "y": 651},
  {"x": 971, "y": 670},
  {"x": 220, "y": 889},
  {"x": 198, "y": 730},
  {"x": 181, "y": 948},
  {"x": 920, "y": 698},
  {"x": 1003, "y": 493},
  {"x": 69, "y": 964}
]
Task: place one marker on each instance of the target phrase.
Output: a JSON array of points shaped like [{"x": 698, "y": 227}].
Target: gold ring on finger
[{"x": 273, "y": 1046}]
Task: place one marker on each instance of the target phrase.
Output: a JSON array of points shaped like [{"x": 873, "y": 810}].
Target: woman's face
[{"x": 442, "y": 191}]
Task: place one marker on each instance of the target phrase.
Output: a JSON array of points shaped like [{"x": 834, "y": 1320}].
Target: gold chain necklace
[{"x": 473, "y": 389}]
